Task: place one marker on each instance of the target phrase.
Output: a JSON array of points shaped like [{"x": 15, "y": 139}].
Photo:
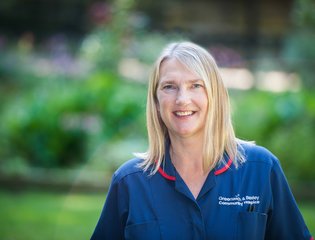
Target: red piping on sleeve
[{"x": 223, "y": 169}]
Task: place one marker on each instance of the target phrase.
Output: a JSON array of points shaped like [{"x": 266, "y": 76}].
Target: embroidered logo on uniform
[{"x": 238, "y": 200}]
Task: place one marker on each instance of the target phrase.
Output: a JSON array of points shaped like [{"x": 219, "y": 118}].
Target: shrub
[
  {"x": 51, "y": 125},
  {"x": 284, "y": 123}
]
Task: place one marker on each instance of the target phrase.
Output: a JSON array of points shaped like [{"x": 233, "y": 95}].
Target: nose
[{"x": 182, "y": 97}]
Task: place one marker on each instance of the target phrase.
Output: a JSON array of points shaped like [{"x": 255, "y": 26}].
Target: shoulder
[
  {"x": 258, "y": 154},
  {"x": 259, "y": 160},
  {"x": 128, "y": 168}
]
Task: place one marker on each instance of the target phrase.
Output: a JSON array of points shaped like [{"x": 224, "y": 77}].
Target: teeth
[{"x": 186, "y": 113}]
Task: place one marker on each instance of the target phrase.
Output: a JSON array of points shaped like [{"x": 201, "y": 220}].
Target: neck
[{"x": 187, "y": 155}]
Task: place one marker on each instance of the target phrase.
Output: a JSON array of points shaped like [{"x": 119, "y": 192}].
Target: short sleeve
[
  {"x": 112, "y": 221},
  {"x": 284, "y": 218}
]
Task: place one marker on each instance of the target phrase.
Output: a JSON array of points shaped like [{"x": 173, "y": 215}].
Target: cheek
[
  {"x": 203, "y": 100},
  {"x": 164, "y": 101},
  {"x": 163, "y": 109},
  {"x": 206, "y": 104}
]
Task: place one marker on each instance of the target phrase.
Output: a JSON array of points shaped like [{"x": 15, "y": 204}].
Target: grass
[
  {"x": 44, "y": 215},
  {"x": 308, "y": 212},
  {"x": 55, "y": 216}
]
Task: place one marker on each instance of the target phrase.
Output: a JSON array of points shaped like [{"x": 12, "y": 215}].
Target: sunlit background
[{"x": 73, "y": 79}]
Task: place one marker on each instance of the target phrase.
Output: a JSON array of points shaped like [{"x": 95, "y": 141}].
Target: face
[{"x": 182, "y": 100}]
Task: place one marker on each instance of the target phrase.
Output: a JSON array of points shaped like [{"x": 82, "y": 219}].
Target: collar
[{"x": 167, "y": 169}]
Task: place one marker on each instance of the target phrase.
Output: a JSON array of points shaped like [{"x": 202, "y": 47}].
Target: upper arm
[
  {"x": 285, "y": 220},
  {"x": 111, "y": 223}
]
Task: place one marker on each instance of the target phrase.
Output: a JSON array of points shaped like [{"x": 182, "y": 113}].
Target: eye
[
  {"x": 168, "y": 86},
  {"x": 197, "y": 85}
]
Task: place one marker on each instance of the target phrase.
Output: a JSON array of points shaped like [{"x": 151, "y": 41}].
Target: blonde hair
[{"x": 219, "y": 133}]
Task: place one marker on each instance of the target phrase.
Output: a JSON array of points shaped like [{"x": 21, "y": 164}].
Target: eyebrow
[{"x": 173, "y": 81}]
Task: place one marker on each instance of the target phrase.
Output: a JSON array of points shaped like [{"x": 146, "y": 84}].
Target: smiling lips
[{"x": 183, "y": 113}]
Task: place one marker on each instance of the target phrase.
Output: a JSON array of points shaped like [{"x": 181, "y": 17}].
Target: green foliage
[
  {"x": 146, "y": 46},
  {"x": 59, "y": 109},
  {"x": 105, "y": 45},
  {"x": 52, "y": 116},
  {"x": 50, "y": 125},
  {"x": 299, "y": 54},
  {"x": 103, "y": 48},
  {"x": 284, "y": 123},
  {"x": 304, "y": 13},
  {"x": 299, "y": 49},
  {"x": 120, "y": 103}
]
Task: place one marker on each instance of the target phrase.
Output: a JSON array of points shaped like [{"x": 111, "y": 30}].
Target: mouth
[{"x": 183, "y": 113}]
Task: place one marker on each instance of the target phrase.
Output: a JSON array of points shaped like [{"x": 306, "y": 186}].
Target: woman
[{"x": 197, "y": 181}]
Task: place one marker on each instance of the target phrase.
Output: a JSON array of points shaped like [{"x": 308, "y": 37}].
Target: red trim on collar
[
  {"x": 165, "y": 175},
  {"x": 217, "y": 172},
  {"x": 223, "y": 169}
]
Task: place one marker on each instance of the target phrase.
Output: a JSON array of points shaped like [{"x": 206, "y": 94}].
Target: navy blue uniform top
[{"x": 252, "y": 202}]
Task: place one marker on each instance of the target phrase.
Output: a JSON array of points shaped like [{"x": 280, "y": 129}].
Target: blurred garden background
[{"x": 73, "y": 79}]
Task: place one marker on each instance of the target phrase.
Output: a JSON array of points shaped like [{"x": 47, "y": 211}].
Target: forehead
[{"x": 173, "y": 69}]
